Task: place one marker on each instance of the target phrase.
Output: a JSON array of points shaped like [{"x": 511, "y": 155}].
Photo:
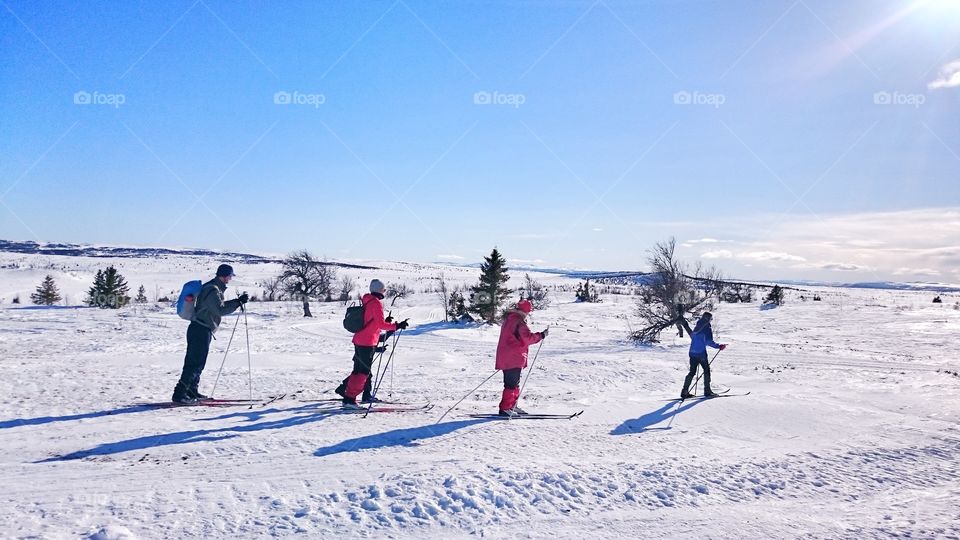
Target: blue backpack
[{"x": 187, "y": 302}]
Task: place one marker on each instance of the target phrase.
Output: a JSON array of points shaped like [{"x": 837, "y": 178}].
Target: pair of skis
[
  {"x": 201, "y": 403},
  {"x": 721, "y": 394},
  {"x": 529, "y": 416}
]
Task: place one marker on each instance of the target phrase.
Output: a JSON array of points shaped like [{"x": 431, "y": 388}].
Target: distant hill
[
  {"x": 915, "y": 286},
  {"x": 80, "y": 250}
]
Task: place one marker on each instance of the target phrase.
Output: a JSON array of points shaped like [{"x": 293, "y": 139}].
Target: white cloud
[
  {"x": 771, "y": 256},
  {"x": 914, "y": 243},
  {"x": 597, "y": 229},
  {"x": 525, "y": 261},
  {"x": 718, "y": 254},
  {"x": 843, "y": 267},
  {"x": 927, "y": 272},
  {"x": 703, "y": 241},
  {"x": 949, "y": 76},
  {"x": 449, "y": 257}
]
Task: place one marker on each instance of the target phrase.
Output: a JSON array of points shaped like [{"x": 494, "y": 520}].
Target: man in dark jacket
[
  {"x": 209, "y": 310},
  {"x": 700, "y": 338}
]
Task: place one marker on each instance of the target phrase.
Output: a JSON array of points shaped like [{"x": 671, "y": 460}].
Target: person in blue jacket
[{"x": 701, "y": 337}]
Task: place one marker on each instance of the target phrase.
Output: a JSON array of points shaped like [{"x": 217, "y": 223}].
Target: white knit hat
[{"x": 377, "y": 286}]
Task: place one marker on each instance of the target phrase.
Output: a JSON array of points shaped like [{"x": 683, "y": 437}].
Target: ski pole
[
  {"x": 375, "y": 374},
  {"x": 378, "y": 359},
  {"x": 224, "y": 361},
  {"x": 246, "y": 329},
  {"x": 466, "y": 396},
  {"x": 522, "y": 386},
  {"x": 373, "y": 392}
]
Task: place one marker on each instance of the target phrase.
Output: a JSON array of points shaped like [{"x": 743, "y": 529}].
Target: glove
[
  {"x": 389, "y": 319},
  {"x": 543, "y": 335},
  {"x": 243, "y": 298},
  {"x": 402, "y": 325},
  {"x": 380, "y": 350},
  {"x": 723, "y": 346}
]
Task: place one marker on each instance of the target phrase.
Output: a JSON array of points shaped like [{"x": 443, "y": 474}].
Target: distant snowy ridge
[
  {"x": 892, "y": 285},
  {"x": 82, "y": 250}
]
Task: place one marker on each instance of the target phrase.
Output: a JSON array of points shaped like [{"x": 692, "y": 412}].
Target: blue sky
[{"x": 798, "y": 139}]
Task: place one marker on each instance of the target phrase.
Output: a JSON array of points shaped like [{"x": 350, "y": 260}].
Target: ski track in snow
[{"x": 850, "y": 431}]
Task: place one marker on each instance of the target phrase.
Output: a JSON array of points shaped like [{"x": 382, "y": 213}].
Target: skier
[
  {"x": 206, "y": 319},
  {"x": 700, "y": 338},
  {"x": 515, "y": 341},
  {"x": 365, "y": 342}
]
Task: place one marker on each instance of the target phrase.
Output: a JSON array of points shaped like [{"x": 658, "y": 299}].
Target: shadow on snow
[
  {"x": 40, "y": 420},
  {"x": 421, "y": 329},
  {"x": 397, "y": 437},
  {"x": 651, "y": 419},
  {"x": 305, "y": 416}
]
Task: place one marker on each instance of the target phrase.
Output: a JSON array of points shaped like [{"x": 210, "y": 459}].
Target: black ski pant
[
  {"x": 511, "y": 378},
  {"x": 198, "y": 346},
  {"x": 701, "y": 361},
  {"x": 362, "y": 363}
]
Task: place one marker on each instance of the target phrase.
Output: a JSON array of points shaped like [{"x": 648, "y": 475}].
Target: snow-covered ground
[{"x": 850, "y": 429}]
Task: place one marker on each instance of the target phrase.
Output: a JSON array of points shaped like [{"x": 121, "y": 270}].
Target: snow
[{"x": 850, "y": 429}]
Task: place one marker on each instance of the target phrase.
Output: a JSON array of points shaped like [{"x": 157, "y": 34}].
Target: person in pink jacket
[
  {"x": 512, "y": 350},
  {"x": 365, "y": 341}
]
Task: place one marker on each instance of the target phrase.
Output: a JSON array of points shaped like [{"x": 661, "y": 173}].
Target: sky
[{"x": 801, "y": 139}]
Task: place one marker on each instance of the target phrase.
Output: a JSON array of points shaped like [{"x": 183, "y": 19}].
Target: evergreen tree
[
  {"x": 95, "y": 289},
  {"x": 775, "y": 297},
  {"x": 109, "y": 290},
  {"x": 141, "y": 295},
  {"x": 487, "y": 296},
  {"x": 456, "y": 305},
  {"x": 47, "y": 293}
]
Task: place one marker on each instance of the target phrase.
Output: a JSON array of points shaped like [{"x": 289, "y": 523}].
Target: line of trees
[{"x": 673, "y": 290}]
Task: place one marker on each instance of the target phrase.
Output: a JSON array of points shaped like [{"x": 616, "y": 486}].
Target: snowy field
[{"x": 850, "y": 429}]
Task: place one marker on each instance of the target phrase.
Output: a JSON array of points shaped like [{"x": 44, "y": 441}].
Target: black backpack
[{"x": 353, "y": 320}]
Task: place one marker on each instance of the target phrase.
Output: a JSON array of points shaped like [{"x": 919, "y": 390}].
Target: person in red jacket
[
  {"x": 512, "y": 350},
  {"x": 365, "y": 341}
]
